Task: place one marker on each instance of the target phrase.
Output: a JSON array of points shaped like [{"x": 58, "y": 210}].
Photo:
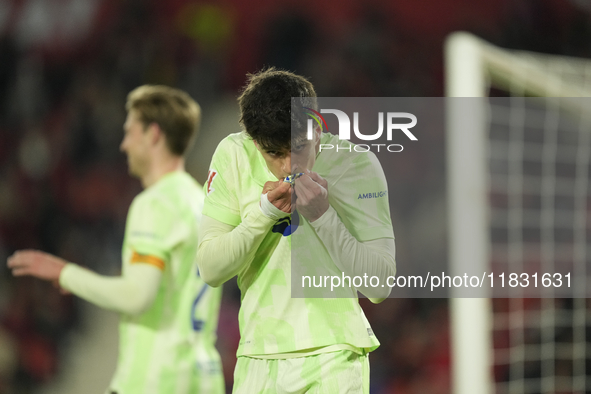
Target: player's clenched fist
[
  {"x": 312, "y": 195},
  {"x": 279, "y": 194}
]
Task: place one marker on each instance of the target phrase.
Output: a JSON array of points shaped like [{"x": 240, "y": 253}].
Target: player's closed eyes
[{"x": 276, "y": 155}]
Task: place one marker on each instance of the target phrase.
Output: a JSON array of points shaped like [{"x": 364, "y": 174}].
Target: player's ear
[
  {"x": 317, "y": 134},
  {"x": 155, "y": 132},
  {"x": 317, "y": 137}
]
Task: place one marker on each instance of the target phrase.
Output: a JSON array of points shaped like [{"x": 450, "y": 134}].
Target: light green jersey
[
  {"x": 271, "y": 321},
  {"x": 170, "y": 347}
]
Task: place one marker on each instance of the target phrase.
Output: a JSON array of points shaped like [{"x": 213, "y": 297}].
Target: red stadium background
[{"x": 67, "y": 65}]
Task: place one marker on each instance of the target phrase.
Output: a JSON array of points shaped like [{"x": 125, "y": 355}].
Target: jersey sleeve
[
  {"x": 360, "y": 198},
  {"x": 221, "y": 202},
  {"x": 154, "y": 230}
]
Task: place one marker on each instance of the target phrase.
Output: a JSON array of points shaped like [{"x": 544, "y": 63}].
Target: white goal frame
[
  {"x": 467, "y": 218},
  {"x": 470, "y": 64}
]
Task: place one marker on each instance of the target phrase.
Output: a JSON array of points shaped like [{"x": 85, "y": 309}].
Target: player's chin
[{"x": 131, "y": 170}]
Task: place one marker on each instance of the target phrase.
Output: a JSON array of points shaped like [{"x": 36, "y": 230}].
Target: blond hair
[{"x": 177, "y": 114}]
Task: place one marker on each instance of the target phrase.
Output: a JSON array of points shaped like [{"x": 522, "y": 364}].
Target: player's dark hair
[
  {"x": 177, "y": 114},
  {"x": 267, "y": 111}
]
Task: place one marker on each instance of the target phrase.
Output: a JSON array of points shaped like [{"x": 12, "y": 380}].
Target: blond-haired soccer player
[
  {"x": 168, "y": 314},
  {"x": 294, "y": 345}
]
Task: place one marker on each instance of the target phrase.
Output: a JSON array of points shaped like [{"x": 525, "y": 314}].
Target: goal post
[
  {"x": 467, "y": 212},
  {"x": 556, "y": 145}
]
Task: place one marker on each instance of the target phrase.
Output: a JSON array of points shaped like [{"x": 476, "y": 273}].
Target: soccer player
[
  {"x": 294, "y": 345},
  {"x": 168, "y": 314}
]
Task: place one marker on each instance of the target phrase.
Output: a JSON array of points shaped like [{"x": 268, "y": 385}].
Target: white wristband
[{"x": 270, "y": 210}]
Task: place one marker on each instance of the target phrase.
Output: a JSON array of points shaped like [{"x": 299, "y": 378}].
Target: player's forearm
[
  {"x": 225, "y": 250},
  {"x": 132, "y": 294},
  {"x": 354, "y": 258}
]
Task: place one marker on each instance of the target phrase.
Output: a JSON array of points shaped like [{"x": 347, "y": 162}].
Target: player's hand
[
  {"x": 312, "y": 195},
  {"x": 38, "y": 264},
  {"x": 279, "y": 194}
]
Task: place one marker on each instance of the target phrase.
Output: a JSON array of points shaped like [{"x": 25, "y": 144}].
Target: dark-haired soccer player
[
  {"x": 295, "y": 345},
  {"x": 168, "y": 314}
]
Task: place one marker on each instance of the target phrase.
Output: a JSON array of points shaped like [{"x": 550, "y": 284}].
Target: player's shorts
[
  {"x": 207, "y": 378},
  {"x": 339, "y": 372}
]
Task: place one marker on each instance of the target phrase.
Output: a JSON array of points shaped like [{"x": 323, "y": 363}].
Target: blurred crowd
[{"x": 67, "y": 65}]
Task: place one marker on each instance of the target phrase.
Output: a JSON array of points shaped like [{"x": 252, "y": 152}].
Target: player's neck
[{"x": 161, "y": 168}]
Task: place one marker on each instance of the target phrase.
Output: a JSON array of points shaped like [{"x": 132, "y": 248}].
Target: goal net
[{"x": 519, "y": 200}]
